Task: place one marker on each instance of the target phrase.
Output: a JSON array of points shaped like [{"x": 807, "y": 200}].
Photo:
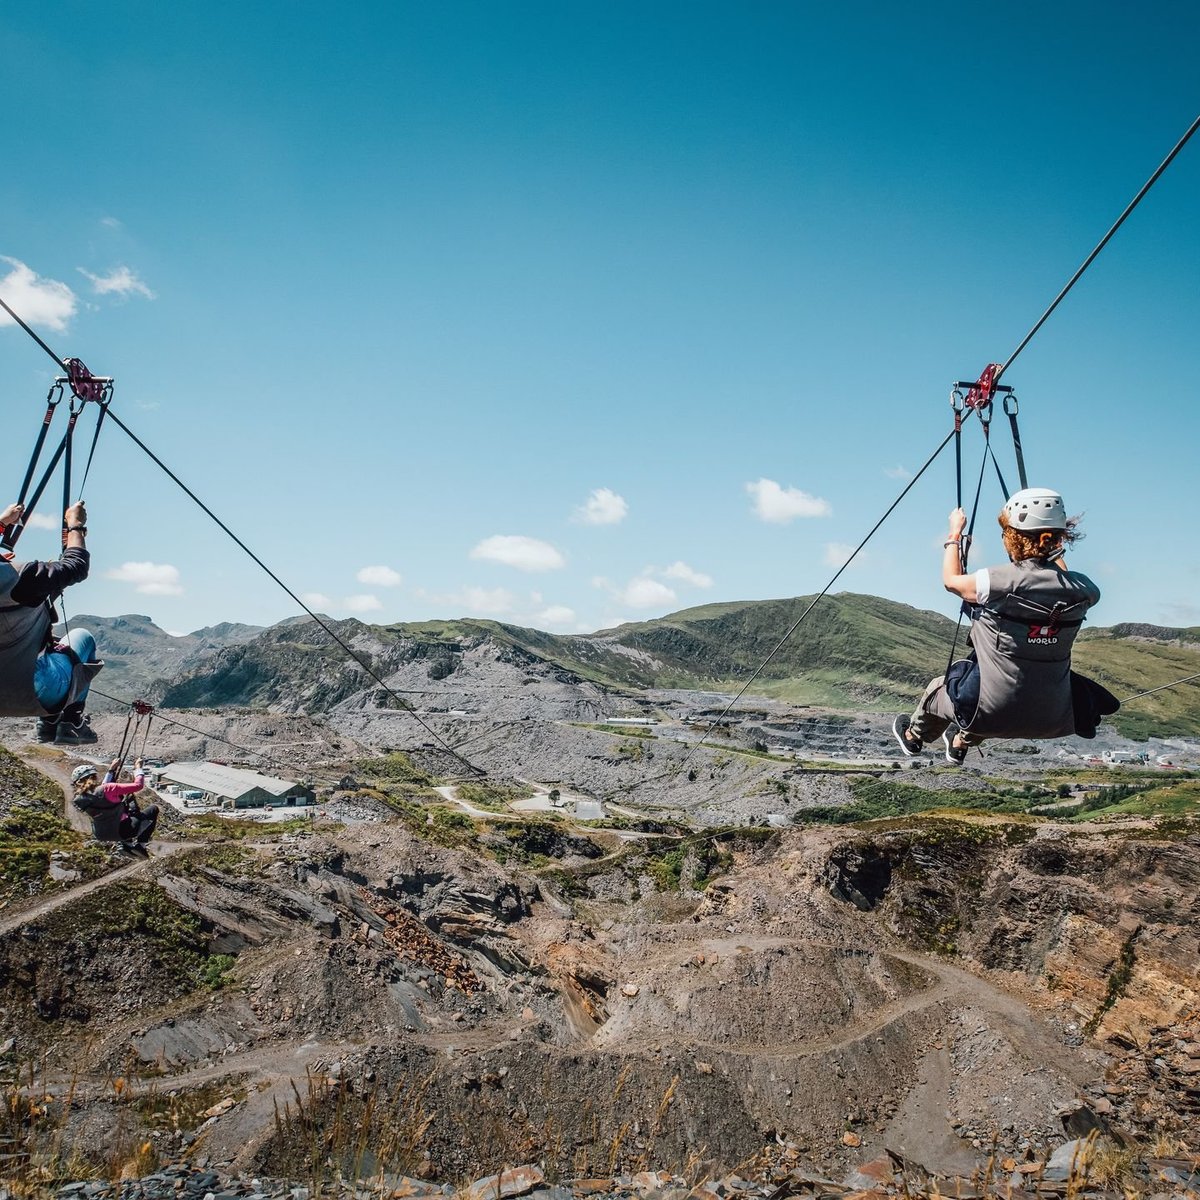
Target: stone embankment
[{"x": 1077, "y": 1170}]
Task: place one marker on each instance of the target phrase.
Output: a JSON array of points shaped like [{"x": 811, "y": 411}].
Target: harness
[{"x": 85, "y": 388}]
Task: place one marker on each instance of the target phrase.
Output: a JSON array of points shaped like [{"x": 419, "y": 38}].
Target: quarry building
[{"x": 234, "y": 787}]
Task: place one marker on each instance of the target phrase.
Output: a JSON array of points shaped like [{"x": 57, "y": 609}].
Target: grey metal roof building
[{"x": 235, "y": 787}]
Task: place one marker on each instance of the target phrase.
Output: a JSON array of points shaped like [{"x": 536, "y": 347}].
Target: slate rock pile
[
  {"x": 1066, "y": 1173},
  {"x": 1154, "y": 1075}
]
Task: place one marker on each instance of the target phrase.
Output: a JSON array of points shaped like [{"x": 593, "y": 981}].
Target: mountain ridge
[{"x": 855, "y": 651}]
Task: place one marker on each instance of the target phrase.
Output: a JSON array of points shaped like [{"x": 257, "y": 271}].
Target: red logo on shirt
[{"x": 1043, "y": 635}]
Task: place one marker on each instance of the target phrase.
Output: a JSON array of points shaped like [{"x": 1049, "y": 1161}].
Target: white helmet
[
  {"x": 83, "y": 772},
  {"x": 1036, "y": 508}
]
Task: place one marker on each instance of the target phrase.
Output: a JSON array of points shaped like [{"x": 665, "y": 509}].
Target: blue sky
[{"x": 567, "y": 313}]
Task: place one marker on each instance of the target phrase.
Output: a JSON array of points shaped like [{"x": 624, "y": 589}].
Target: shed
[{"x": 234, "y": 787}]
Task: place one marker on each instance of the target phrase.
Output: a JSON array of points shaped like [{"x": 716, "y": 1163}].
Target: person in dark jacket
[
  {"x": 39, "y": 676},
  {"x": 115, "y": 814},
  {"x": 1025, "y": 615}
]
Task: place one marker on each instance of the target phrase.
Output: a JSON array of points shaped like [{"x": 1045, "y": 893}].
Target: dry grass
[{"x": 39, "y": 1137}]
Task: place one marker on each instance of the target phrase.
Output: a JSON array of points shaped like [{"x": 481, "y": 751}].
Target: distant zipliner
[
  {"x": 1017, "y": 682},
  {"x": 113, "y": 808},
  {"x": 42, "y": 676}
]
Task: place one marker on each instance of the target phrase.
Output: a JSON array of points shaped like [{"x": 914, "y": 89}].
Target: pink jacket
[{"x": 114, "y": 793}]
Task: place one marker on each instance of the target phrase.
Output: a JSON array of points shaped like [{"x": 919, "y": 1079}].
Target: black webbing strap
[
  {"x": 138, "y": 710},
  {"x": 9, "y": 540},
  {"x": 68, "y": 449},
  {"x": 964, "y": 546},
  {"x": 956, "y": 403},
  {"x": 1011, "y": 413},
  {"x": 146, "y": 732},
  {"x": 103, "y": 402},
  {"x": 11, "y": 537},
  {"x": 1000, "y": 476}
]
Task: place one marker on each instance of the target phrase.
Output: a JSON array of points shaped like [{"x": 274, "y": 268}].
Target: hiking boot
[
  {"x": 75, "y": 732},
  {"x": 140, "y": 850},
  {"x": 912, "y": 746},
  {"x": 128, "y": 847},
  {"x": 955, "y": 755},
  {"x": 46, "y": 729}
]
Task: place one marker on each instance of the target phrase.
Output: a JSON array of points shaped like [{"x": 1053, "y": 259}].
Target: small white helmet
[
  {"x": 1033, "y": 509},
  {"x": 83, "y": 772}
]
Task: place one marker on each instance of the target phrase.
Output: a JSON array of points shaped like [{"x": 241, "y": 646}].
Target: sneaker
[
  {"x": 955, "y": 755},
  {"x": 46, "y": 730},
  {"x": 912, "y": 746},
  {"x": 128, "y": 847},
  {"x": 140, "y": 850},
  {"x": 75, "y": 733}
]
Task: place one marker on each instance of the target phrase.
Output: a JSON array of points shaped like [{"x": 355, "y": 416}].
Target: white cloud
[
  {"x": 379, "y": 577},
  {"x": 645, "y": 593},
  {"x": 41, "y": 521},
  {"x": 110, "y": 222},
  {"x": 897, "y": 472},
  {"x": 35, "y": 300},
  {"x": 603, "y": 507},
  {"x": 836, "y": 554},
  {"x": 684, "y": 573},
  {"x": 524, "y": 553},
  {"x": 150, "y": 579},
  {"x": 362, "y": 603},
  {"x": 640, "y": 592},
  {"x": 120, "y": 281},
  {"x": 486, "y": 600},
  {"x": 555, "y": 614},
  {"x": 781, "y": 505},
  {"x": 490, "y": 601},
  {"x": 318, "y": 601}
]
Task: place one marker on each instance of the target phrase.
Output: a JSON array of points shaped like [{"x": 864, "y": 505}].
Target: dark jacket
[
  {"x": 26, "y": 621},
  {"x": 106, "y": 805}
]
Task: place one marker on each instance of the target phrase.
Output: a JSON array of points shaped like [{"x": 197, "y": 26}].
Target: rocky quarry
[{"x": 523, "y": 948}]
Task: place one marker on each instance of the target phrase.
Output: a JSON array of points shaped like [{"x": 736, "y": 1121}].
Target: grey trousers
[{"x": 934, "y": 714}]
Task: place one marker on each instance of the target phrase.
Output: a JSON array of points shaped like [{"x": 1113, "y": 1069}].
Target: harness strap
[
  {"x": 17, "y": 530},
  {"x": 1000, "y": 475},
  {"x": 105, "y": 399},
  {"x": 1011, "y": 413},
  {"x": 10, "y": 535},
  {"x": 138, "y": 709}
]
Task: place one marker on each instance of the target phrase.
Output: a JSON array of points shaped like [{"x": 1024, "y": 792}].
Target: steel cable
[
  {"x": 333, "y": 635},
  {"x": 1087, "y": 262}
]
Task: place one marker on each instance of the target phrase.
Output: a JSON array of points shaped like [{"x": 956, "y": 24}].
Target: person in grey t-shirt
[{"x": 1025, "y": 615}]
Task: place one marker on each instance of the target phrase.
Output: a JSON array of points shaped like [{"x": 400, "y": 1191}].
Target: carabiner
[
  {"x": 956, "y": 400},
  {"x": 1016, "y": 408}
]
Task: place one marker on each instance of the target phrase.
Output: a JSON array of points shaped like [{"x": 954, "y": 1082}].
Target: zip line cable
[
  {"x": 106, "y": 411},
  {"x": 212, "y": 737},
  {"x": 1162, "y": 688},
  {"x": 994, "y": 380},
  {"x": 158, "y": 712},
  {"x": 61, "y": 362},
  {"x": 1087, "y": 262},
  {"x": 813, "y": 603},
  {"x": 334, "y": 636},
  {"x": 436, "y": 736}
]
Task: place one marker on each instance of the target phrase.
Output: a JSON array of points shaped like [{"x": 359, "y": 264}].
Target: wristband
[
  {"x": 77, "y": 529},
  {"x": 952, "y": 542}
]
